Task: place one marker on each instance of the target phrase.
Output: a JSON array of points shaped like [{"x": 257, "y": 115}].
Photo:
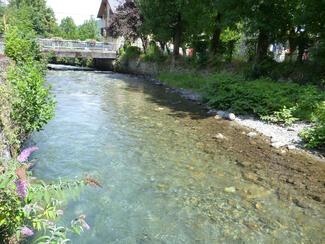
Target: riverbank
[{"x": 282, "y": 103}]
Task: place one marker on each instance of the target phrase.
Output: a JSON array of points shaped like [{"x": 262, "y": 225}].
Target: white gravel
[{"x": 280, "y": 136}]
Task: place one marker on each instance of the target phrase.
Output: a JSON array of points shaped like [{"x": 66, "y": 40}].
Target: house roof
[{"x": 104, "y": 4}]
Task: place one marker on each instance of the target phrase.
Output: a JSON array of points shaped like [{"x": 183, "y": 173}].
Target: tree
[
  {"x": 128, "y": 22},
  {"x": 172, "y": 20},
  {"x": 32, "y": 14},
  {"x": 68, "y": 29},
  {"x": 88, "y": 30}
]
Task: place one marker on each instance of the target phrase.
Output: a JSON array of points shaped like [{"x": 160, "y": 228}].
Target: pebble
[
  {"x": 244, "y": 163},
  {"x": 219, "y": 136},
  {"x": 159, "y": 109},
  {"x": 221, "y": 113},
  {"x": 231, "y": 189},
  {"x": 231, "y": 116},
  {"x": 252, "y": 134},
  {"x": 277, "y": 145},
  {"x": 291, "y": 147},
  {"x": 274, "y": 140},
  {"x": 250, "y": 176},
  {"x": 258, "y": 206},
  {"x": 213, "y": 112},
  {"x": 218, "y": 117}
]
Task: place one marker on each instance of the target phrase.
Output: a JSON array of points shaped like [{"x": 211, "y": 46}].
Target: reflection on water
[{"x": 159, "y": 184}]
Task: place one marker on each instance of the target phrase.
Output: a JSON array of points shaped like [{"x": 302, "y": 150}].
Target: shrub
[
  {"x": 33, "y": 105},
  {"x": 21, "y": 46},
  {"x": 153, "y": 54},
  {"x": 285, "y": 116},
  {"x": 261, "y": 97},
  {"x": 35, "y": 210},
  {"x": 315, "y": 137},
  {"x": 128, "y": 52}
]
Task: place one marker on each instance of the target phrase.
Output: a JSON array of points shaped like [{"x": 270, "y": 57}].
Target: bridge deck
[{"x": 78, "y": 49}]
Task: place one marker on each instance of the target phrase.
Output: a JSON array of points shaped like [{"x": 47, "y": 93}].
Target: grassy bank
[{"x": 277, "y": 102}]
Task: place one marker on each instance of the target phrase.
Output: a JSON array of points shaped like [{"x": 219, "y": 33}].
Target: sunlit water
[{"x": 159, "y": 185}]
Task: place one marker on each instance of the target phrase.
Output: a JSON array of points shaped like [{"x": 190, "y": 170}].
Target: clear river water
[{"x": 159, "y": 185}]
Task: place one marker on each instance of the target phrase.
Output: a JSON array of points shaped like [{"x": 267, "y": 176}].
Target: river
[{"x": 161, "y": 184}]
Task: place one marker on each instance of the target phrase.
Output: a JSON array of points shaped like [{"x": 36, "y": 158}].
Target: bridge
[{"x": 79, "y": 49}]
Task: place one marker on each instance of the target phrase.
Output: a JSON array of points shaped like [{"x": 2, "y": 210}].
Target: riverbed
[{"x": 165, "y": 177}]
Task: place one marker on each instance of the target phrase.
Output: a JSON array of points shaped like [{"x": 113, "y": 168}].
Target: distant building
[{"x": 105, "y": 14}]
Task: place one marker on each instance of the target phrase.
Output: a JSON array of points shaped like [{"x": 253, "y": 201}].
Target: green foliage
[
  {"x": 2, "y": 13},
  {"x": 153, "y": 54},
  {"x": 20, "y": 45},
  {"x": 128, "y": 52},
  {"x": 315, "y": 137},
  {"x": 68, "y": 29},
  {"x": 285, "y": 115},
  {"x": 37, "y": 211},
  {"x": 11, "y": 214},
  {"x": 34, "y": 105},
  {"x": 32, "y": 15},
  {"x": 262, "y": 97},
  {"x": 88, "y": 30}
]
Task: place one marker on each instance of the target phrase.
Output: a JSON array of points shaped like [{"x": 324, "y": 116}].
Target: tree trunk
[
  {"x": 144, "y": 41},
  {"x": 262, "y": 45},
  {"x": 302, "y": 45},
  {"x": 301, "y": 49},
  {"x": 184, "y": 51},
  {"x": 177, "y": 36},
  {"x": 292, "y": 43},
  {"x": 215, "y": 41},
  {"x": 162, "y": 46}
]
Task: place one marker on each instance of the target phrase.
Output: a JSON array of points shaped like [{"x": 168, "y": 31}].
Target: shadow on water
[{"x": 167, "y": 97}]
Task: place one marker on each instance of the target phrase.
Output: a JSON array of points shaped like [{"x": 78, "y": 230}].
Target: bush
[
  {"x": 261, "y": 97},
  {"x": 128, "y": 52},
  {"x": 153, "y": 54},
  {"x": 285, "y": 116},
  {"x": 26, "y": 208},
  {"x": 33, "y": 105},
  {"x": 20, "y": 46},
  {"x": 315, "y": 137}
]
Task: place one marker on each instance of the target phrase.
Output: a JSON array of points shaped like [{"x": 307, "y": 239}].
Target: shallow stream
[{"x": 159, "y": 184}]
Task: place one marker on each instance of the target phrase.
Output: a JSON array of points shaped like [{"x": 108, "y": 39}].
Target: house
[{"x": 105, "y": 14}]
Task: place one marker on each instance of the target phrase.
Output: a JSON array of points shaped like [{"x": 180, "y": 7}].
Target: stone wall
[{"x": 138, "y": 67}]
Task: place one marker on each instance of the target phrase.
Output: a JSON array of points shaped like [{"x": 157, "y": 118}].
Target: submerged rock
[
  {"x": 231, "y": 189},
  {"x": 219, "y": 136}
]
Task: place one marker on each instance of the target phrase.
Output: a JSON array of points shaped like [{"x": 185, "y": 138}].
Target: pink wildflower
[
  {"x": 27, "y": 232},
  {"x": 24, "y": 155},
  {"x": 21, "y": 188},
  {"x": 84, "y": 224}
]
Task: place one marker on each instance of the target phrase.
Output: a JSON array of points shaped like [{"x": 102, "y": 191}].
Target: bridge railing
[{"x": 77, "y": 45}]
